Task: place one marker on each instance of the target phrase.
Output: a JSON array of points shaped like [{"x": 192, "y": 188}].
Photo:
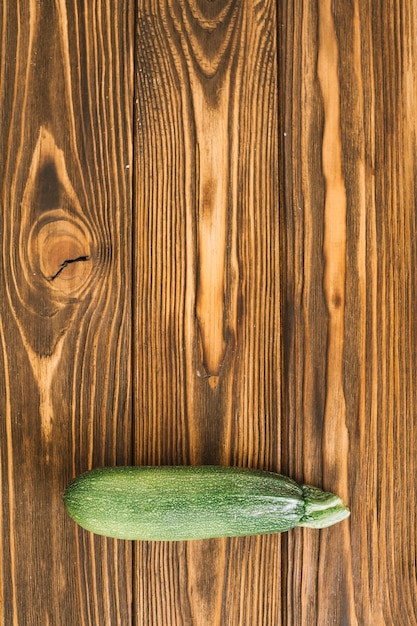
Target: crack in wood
[{"x": 67, "y": 262}]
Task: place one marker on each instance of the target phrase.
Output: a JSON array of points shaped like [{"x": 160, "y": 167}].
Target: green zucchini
[{"x": 172, "y": 503}]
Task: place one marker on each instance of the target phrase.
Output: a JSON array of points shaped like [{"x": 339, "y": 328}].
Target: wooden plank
[
  {"x": 65, "y": 98},
  {"x": 207, "y": 326},
  {"x": 349, "y": 81}
]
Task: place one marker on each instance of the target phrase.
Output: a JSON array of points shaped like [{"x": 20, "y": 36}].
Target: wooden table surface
[{"x": 208, "y": 256}]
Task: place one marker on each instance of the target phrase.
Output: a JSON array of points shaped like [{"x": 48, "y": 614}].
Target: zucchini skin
[{"x": 173, "y": 503}]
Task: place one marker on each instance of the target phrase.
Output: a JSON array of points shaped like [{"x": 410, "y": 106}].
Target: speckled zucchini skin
[{"x": 172, "y": 503}]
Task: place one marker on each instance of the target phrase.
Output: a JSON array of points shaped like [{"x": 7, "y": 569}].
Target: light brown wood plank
[
  {"x": 207, "y": 327},
  {"x": 66, "y": 96},
  {"x": 349, "y": 77}
]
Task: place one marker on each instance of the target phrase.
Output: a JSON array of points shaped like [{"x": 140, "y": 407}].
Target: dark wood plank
[
  {"x": 207, "y": 327},
  {"x": 66, "y": 95}
]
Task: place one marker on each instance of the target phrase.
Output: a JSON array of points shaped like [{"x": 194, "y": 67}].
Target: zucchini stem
[{"x": 322, "y": 509}]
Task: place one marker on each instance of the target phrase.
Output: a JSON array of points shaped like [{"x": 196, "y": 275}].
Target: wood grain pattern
[
  {"x": 208, "y": 251},
  {"x": 66, "y": 93},
  {"x": 353, "y": 140},
  {"x": 208, "y": 283}
]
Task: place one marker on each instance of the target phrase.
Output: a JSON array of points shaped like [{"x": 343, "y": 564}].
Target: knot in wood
[{"x": 60, "y": 250}]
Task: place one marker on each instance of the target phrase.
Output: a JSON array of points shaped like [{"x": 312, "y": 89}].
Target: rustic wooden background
[{"x": 208, "y": 253}]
